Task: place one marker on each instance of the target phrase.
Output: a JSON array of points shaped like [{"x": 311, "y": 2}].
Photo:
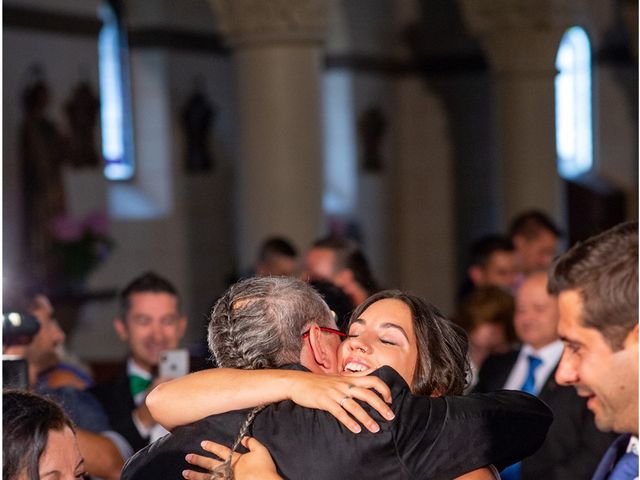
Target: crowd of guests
[{"x": 534, "y": 376}]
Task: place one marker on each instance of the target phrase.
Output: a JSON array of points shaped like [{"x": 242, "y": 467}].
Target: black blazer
[
  {"x": 573, "y": 445},
  {"x": 115, "y": 397},
  {"x": 430, "y": 438}
]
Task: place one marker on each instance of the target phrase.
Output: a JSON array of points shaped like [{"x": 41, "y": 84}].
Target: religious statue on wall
[
  {"x": 372, "y": 126},
  {"x": 197, "y": 116},
  {"x": 82, "y": 110},
  {"x": 43, "y": 151}
]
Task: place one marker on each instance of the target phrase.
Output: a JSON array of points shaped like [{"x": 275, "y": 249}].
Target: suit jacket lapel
[{"x": 611, "y": 457}]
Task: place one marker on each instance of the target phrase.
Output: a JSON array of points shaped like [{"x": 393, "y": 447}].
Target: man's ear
[
  {"x": 476, "y": 274},
  {"x": 518, "y": 241},
  {"x": 632, "y": 337},
  {"x": 320, "y": 348},
  {"x": 121, "y": 329},
  {"x": 343, "y": 278}
]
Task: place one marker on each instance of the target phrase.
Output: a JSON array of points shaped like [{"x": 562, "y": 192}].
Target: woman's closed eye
[{"x": 385, "y": 341}]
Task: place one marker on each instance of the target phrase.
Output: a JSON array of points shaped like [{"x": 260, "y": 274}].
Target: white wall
[{"x": 409, "y": 213}]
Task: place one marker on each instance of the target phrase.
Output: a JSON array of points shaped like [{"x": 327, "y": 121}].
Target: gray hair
[{"x": 258, "y": 322}]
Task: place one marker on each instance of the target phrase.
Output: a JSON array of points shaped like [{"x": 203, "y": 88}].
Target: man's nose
[
  {"x": 58, "y": 333},
  {"x": 157, "y": 333},
  {"x": 566, "y": 373}
]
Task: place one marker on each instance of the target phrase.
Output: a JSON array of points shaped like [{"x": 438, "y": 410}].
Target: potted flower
[{"x": 81, "y": 245}]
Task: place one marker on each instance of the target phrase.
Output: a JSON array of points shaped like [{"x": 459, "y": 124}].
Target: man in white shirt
[
  {"x": 596, "y": 283},
  {"x": 150, "y": 321},
  {"x": 573, "y": 445}
]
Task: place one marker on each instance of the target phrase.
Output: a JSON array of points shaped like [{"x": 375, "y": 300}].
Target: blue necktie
[
  {"x": 626, "y": 468},
  {"x": 529, "y": 384},
  {"x": 512, "y": 472}
]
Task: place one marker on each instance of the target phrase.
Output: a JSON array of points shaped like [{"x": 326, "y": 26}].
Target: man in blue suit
[{"x": 596, "y": 283}]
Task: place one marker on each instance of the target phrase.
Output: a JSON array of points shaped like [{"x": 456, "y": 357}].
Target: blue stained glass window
[
  {"x": 115, "y": 104},
  {"x": 574, "y": 143}
]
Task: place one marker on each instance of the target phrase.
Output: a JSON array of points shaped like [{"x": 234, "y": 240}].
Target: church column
[
  {"x": 278, "y": 52},
  {"x": 521, "y": 39}
]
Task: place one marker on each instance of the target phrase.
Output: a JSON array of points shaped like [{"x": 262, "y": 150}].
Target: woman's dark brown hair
[
  {"x": 442, "y": 366},
  {"x": 26, "y": 421}
]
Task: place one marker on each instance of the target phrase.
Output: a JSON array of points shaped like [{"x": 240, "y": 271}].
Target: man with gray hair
[
  {"x": 426, "y": 439},
  {"x": 257, "y": 323}
]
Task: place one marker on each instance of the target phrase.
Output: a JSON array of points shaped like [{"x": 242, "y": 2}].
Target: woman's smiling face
[{"x": 382, "y": 335}]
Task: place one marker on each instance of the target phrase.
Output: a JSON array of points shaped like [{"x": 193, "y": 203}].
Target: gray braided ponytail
[
  {"x": 225, "y": 471},
  {"x": 258, "y": 323}
]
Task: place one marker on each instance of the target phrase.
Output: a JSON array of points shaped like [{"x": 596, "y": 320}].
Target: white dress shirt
[
  {"x": 550, "y": 356},
  {"x": 156, "y": 431}
]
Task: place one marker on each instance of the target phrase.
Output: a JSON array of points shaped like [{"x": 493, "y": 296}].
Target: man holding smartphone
[{"x": 150, "y": 322}]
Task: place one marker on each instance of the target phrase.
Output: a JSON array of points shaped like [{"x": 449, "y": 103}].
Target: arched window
[
  {"x": 115, "y": 104},
  {"x": 574, "y": 143},
  {"x": 340, "y": 169}
]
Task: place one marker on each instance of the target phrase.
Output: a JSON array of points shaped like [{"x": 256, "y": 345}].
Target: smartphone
[{"x": 174, "y": 363}]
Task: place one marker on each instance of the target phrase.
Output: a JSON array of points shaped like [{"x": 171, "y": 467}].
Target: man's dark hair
[
  {"x": 531, "y": 223},
  {"x": 484, "y": 247},
  {"x": 148, "y": 282},
  {"x": 350, "y": 256},
  {"x": 442, "y": 366},
  {"x": 338, "y": 301},
  {"x": 604, "y": 270},
  {"x": 26, "y": 421},
  {"x": 276, "y": 246}
]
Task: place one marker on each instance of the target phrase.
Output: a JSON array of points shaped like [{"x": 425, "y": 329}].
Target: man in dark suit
[
  {"x": 150, "y": 322},
  {"x": 437, "y": 438},
  {"x": 596, "y": 283},
  {"x": 573, "y": 445}
]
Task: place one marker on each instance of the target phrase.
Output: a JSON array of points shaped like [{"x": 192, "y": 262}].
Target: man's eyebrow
[{"x": 569, "y": 340}]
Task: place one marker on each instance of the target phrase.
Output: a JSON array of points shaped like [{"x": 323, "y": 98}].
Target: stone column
[
  {"x": 521, "y": 39},
  {"x": 278, "y": 52}
]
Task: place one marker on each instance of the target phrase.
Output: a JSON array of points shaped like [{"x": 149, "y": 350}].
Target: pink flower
[
  {"x": 66, "y": 229},
  {"x": 97, "y": 223}
]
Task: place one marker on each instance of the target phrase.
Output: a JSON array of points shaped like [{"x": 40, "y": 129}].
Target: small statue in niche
[
  {"x": 43, "y": 151},
  {"x": 371, "y": 128},
  {"x": 197, "y": 116},
  {"x": 82, "y": 110}
]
